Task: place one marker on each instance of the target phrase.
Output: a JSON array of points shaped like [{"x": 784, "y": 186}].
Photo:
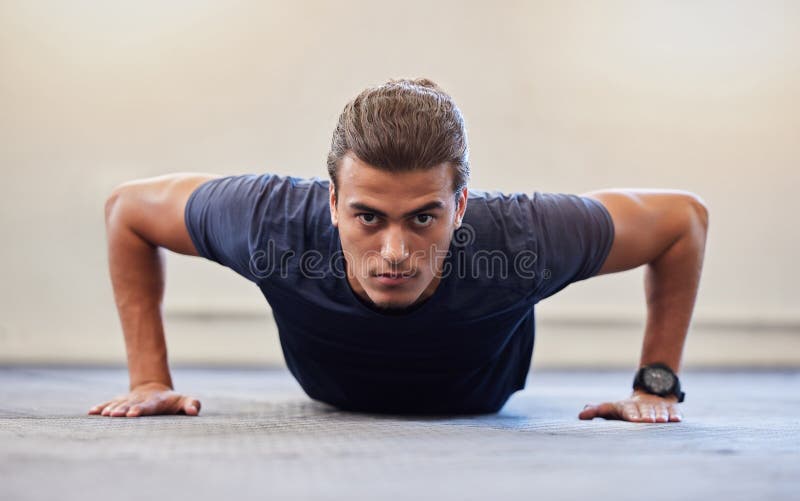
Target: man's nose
[{"x": 394, "y": 247}]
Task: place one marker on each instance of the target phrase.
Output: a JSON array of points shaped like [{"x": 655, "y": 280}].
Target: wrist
[
  {"x": 658, "y": 379},
  {"x": 638, "y": 393},
  {"x": 157, "y": 385},
  {"x": 149, "y": 368}
]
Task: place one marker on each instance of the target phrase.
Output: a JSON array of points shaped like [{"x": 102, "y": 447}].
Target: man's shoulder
[{"x": 498, "y": 220}]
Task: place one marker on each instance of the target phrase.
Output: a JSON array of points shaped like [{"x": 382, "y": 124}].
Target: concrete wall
[{"x": 558, "y": 96}]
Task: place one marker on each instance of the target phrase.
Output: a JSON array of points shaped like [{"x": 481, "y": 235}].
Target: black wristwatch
[{"x": 658, "y": 379}]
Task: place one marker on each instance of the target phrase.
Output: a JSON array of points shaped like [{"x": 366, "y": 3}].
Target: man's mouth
[
  {"x": 404, "y": 274},
  {"x": 394, "y": 278}
]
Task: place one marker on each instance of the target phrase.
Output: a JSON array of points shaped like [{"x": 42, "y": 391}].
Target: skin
[
  {"x": 662, "y": 230},
  {"x": 384, "y": 228},
  {"x": 143, "y": 218}
]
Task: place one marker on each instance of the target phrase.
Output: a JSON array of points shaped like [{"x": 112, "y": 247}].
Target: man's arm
[
  {"x": 142, "y": 217},
  {"x": 665, "y": 230}
]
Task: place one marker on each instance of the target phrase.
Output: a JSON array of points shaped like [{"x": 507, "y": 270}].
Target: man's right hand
[{"x": 147, "y": 400}]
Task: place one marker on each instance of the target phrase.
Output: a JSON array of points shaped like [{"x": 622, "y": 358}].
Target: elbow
[
  {"x": 697, "y": 219},
  {"x": 111, "y": 203},
  {"x": 114, "y": 202},
  {"x": 699, "y": 210}
]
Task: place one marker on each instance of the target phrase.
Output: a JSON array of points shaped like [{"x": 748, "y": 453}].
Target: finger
[
  {"x": 155, "y": 405},
  {"x": 143, "y": 408},
  {"x": 133, "y": 403},
  {"x": 662, "y": 414},
  {"x": 630, "y": 412},
  {"x": 589, "y": 412},
  {"x": 138, "y": 408},
  {"x": 191, "y": 406},
  {"x": 607, "y": 410},
  {"x": 134, "y": 411},
  {"x": 97, "y": 409},
  {"x": 674, "y": 414},
  {"x": 120, "y": 410},
  {"x": 647, "y": 413},
  {"x": 110, "y": 407}
]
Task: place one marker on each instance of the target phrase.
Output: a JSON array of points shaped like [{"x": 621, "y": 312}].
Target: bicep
[
  {"x": 154, "y": 209},
  {"x": 646, "y": 223}
]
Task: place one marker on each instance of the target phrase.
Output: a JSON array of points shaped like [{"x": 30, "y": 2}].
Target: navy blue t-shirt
[{"x": 466, "y": 349}]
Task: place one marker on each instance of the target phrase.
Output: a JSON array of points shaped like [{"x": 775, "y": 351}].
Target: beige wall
[{"x": 558, "y": 96}]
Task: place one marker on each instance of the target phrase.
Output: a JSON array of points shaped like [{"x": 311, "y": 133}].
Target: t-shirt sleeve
[
  {"x": 222, "y": 218},
  {"x": 574, "y": 235}
]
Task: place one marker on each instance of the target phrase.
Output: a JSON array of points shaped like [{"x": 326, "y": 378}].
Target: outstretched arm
[
  {"x": 142, "y": 217},
  {"x": 665, "y": 230}
]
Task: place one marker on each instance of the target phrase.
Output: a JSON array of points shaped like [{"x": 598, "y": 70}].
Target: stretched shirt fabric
[{"x": 466, "y": 349}]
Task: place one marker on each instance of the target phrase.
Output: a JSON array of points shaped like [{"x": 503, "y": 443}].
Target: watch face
[{"x": 658, "y": 380}]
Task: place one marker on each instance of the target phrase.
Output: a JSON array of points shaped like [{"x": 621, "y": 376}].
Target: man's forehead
[{"x": 358, "y": 179}]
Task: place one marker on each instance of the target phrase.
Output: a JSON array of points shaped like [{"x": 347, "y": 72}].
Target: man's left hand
[{"x": 641, "y": 407}]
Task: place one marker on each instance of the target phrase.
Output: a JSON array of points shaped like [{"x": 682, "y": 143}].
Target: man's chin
[{"x": 392, "y": 306}]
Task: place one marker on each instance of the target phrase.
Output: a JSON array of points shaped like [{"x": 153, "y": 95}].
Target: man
[{"x": 394, "y": 287}]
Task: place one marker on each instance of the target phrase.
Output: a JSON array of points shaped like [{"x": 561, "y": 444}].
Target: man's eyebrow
[{"x": 436, "y": 204}]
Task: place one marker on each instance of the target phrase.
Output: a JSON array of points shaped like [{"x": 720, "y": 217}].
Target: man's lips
[
  {"x": 404, "y": 274},
  {"x": 394, "y": 278}
]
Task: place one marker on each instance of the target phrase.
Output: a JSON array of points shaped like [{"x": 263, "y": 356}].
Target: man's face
[{"x": 395, "y": 229}]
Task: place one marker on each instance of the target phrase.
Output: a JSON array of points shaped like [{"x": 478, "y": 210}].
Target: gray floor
[{"x": 259, "y": 436}]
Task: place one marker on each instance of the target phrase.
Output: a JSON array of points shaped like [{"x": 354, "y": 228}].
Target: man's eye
[
  {"x": 423, "y": 219},
  {"x": 367, "y": 218}
]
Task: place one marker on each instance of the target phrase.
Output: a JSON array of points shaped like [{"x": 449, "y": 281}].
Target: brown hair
[{"x": 403, "y": 125}]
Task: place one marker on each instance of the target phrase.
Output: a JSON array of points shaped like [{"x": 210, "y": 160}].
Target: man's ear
[
  {"x": 462, "y": 206},
  {"x": 332, "y": 202}
]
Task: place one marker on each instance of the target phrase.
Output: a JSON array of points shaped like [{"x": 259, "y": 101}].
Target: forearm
[
  {"x": 137, "y": 275},
  {"x": 671, "y": 284}
]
